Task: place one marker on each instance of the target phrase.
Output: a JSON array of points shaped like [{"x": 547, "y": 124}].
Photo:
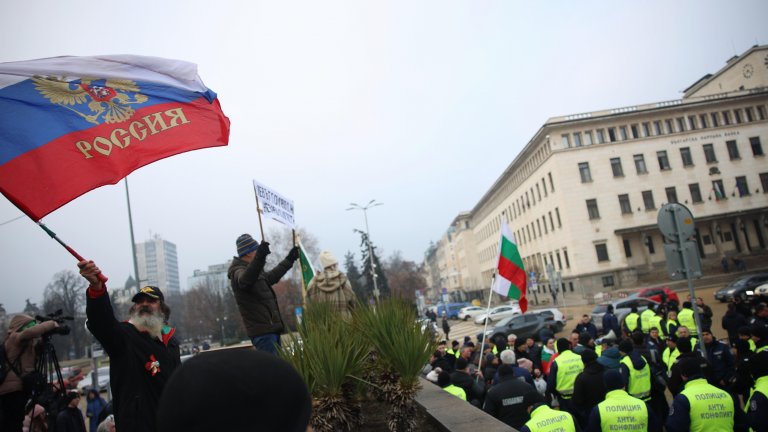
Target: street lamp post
[
  {"x": 221, "y": 323},
  {"x": 365, "y": 208}
]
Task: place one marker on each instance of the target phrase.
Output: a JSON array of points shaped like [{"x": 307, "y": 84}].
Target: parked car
[
  {"x": 70, "y": 375},
  {"x": 451, "y": 309},
  {"x": 524, "y": 326},
  {"x": 86, "y": 383},
  {"x": 621, "y": 308},
  {"x": 743, "y": 286},
  {"x": 655, "y": 294},
  {"x": 557, "y": 316},
  {"x": 470, "y": 312},
  {"x": 498, "y": 313},
  {"x": 427, "y": 325},
  {"x": 762, "y": 290}
]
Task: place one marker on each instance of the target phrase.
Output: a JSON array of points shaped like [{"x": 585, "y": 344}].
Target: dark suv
[
  {"x": 743, "y": 287},
  {"x": 523, "y": 326}
]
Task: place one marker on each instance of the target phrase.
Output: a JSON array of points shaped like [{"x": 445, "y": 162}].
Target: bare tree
[
  {"x": 67, "y": 293},
  {"x": 404, "y": 277},
  {"x": 281, "y": 241}
]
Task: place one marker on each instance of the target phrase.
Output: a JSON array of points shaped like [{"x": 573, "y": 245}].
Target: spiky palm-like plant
[
  {"x": 327, "y": 354},
  {"x": 401, "y": 348}
]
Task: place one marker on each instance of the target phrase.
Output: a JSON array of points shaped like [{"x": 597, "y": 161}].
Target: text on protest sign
[{"x": 274, "y": 205}]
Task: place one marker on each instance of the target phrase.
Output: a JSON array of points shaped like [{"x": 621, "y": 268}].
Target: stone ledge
[{"x": 452, "y": 414}]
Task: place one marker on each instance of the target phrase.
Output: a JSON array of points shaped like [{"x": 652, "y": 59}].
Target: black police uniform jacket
[
  {"x": 139, "y": 364},
  {"x": 505, "y": 401}
]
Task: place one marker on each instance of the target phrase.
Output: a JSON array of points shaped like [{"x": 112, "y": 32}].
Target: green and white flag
[
  {"x": 307, "y": 271},
  {"x": 511, "y": 279}
]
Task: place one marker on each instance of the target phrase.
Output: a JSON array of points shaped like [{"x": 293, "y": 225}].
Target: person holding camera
[
  {"x": 23, "y": 333},
  {"x": 143, "y": 352}
]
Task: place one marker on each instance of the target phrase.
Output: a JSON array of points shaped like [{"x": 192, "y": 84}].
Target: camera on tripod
[
  {"x": 58, "y": 317},
  {"x": 46, "y": 384}
]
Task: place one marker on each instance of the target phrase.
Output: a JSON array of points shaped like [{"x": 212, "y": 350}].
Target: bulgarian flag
[
  {"x": 511, "y": 279},
  {"x": 307, "y": 271}
]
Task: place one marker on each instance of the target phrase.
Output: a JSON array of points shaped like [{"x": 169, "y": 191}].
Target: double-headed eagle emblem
[{"x": 109, "y": 102}]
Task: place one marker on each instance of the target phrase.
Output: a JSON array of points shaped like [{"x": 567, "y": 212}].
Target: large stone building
[{"x": 583, "y": 195}]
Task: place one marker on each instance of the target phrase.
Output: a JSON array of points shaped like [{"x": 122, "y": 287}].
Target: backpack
[{"x": 5, "y": 365}]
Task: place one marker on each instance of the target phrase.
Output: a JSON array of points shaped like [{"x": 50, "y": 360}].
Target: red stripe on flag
[
  {"x": 42, "y": 180},
  {"x": 511, "y": 272}
]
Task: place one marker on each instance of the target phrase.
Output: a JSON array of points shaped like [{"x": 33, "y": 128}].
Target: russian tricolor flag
[{"x": 71, "y": 124}]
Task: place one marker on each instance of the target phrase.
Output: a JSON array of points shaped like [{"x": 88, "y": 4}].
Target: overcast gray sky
[{"x": 417, "y": 104}]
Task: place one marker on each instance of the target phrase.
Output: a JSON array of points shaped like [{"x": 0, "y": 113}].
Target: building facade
[
  {"x": 583, "y": 195},
  {"x": 158, "y": 265},
  {"x": 214, "y": 278}
]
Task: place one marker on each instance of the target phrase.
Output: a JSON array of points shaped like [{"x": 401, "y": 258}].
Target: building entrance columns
[
  {"x": 741, "y": 234},
  {"x": 644, "y": 249},
  {"x": 761, "y": 226},
  {"x": 717, "y": 238}
]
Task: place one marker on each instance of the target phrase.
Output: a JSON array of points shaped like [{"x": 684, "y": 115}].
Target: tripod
[{"x": 47, "y": 383}]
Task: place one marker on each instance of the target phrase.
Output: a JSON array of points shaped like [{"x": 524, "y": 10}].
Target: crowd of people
[
  {"x": 144, "y": 354},
  {"x": 622, "y": 376}
]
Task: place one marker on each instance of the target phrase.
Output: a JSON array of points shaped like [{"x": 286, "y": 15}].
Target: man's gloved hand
[
  {"x": 263, "y": 249},
  {"x": 293, "y": 255}
]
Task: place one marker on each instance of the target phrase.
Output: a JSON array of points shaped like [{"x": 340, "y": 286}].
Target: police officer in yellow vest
[
  {"x": 685, "y": 318},
  {"x": 684, "y": 332},
  {"x": 702, "y": 407},
  {"x": 745, "y": 334},
  {"x": 631, "y": 321},
  {"x": 636, "y": 372},
  {"x": 671, "y": 353},
  {"x": 619, "y": 408},
  {"x": 656, "y": 321},
  {"x": 444, "y": 381},
  {"x": 545, "y": 419},
  {"x": 562, "y": 375},
  {"x": 760, "y": 336},
  {"x": 454, "y": 349},
  {"x": 645, "y": 319},
  {"x": 670, "y": 324},
  {"x": 756, "y": 406}
]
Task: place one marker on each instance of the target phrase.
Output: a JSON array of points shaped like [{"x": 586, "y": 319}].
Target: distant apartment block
[
  {"x": 158, "y": 265},
  {"x": 214, "y": 278}
]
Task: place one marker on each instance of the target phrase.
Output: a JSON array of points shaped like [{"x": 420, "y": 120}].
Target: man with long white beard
[{"x": 142, "y": 351}]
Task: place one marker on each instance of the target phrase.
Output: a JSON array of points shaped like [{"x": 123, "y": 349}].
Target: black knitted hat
[{"x": 235, "y": 387}]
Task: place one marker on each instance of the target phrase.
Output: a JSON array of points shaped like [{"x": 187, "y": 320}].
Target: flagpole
[
  {"x": 258, "y": 212},
  {"x": 102, "y": 277},
  {"x": 133, "y": 241},
  {"x": 301, "y": 272}
]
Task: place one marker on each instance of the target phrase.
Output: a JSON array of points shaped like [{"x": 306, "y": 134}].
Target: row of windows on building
[
  {"x": 528, "y": 233},
  {"x": 520, "y": 205},
  {"x": 718, "y": 192},
  {"x": 686, "y": 156},
  {"x": 664, "y": 126},
  {"x": 601, "y": 250}
]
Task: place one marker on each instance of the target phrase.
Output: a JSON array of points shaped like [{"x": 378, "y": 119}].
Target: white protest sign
[{"x": 273, "y": 205}]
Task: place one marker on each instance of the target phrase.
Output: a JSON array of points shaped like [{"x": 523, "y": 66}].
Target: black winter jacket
[
  {"x": 255, "y": 297},
  {"x": 140, "y": 364},
  {"x": 505, "y": 401},
  {"x": 589, "y": 388},
  {"x": 675, "y": 384},
  {"x": 70, "y": 420}
]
